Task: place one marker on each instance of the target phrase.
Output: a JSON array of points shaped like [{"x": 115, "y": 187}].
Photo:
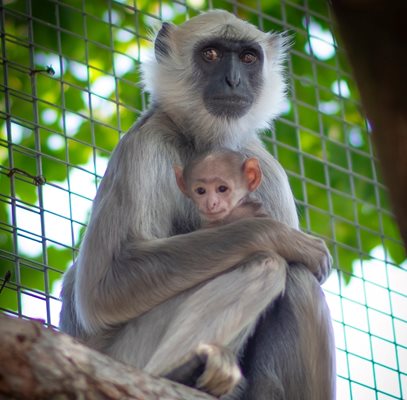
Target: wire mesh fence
[{"x": 70, "y": 87}]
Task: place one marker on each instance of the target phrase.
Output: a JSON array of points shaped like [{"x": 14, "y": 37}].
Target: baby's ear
[
  {"x": 252, "y": 173},
  {"x": 179, "y": 176}
]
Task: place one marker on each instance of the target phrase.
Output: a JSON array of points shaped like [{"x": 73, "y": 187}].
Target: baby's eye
[
  {"x": 222, "y": 189},
  {"x": 200, "y": 190}
]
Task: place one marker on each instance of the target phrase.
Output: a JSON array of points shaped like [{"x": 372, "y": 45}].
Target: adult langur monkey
[{"x": 144, "y": 265}]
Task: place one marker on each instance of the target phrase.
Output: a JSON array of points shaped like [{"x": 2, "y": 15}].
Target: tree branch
[{"x": 40, "y": 363}]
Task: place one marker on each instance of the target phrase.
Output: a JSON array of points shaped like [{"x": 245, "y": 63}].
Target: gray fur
[{"x": 136, "y": 285}]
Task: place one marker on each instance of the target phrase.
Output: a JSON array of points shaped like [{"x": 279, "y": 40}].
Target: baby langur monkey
[{"x": 220, "y": 183}]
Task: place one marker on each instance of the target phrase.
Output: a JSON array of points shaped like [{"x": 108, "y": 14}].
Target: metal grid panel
[{"x": 62, "y": 127}]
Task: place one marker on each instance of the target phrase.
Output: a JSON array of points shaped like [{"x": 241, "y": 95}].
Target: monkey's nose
[
  {"x": 233, "y": 82},
  {"x": 212, "y": 204}
]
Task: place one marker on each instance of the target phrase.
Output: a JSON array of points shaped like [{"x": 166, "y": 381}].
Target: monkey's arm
[
  {"x": 150, "y": 272},
  {"x": 277, "y": 199}
]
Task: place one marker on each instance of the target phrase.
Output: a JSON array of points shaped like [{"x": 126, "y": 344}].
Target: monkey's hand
[
  {"x": 315, "y": 255},
  {"x": 210, "y": 368},
  {"x": 311, "y": 252},
  {"x": 221, "y": 373},
  {"x": 298, "y": 247}
]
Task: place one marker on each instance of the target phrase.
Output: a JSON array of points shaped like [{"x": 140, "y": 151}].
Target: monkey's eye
[
  {"x": 210, "y": 54},
  {"x": 222, "y": 189},
  {"x": 248, "y": 57},
  {"x": 200, "y": 191}
]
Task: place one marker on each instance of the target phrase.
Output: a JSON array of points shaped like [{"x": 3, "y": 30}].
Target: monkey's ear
[
  {"x": 179, "y": 176},
  {"x": 252, "y": 173},
  {"x": 278, "y": 45},
  {"x": 162, "y": 43}
]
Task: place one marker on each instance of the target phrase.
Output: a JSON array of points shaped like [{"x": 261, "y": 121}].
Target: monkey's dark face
[{"x": 230, "y": 75}]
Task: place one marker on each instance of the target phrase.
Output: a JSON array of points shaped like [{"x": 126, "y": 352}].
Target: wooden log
[{"x": 40, "y": 363}]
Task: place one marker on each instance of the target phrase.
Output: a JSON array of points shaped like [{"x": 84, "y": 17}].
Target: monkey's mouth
[
  {"x": 228, "y": 106},
  {"x": 232, "y": 100},
  {"x": 214, "y": 215}
]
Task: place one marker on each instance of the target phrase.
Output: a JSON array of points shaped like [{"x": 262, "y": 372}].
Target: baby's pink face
[{"x": 215, "y": 192}]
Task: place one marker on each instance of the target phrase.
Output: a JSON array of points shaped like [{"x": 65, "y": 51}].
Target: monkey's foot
[{"x": 210, "y": 368}]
